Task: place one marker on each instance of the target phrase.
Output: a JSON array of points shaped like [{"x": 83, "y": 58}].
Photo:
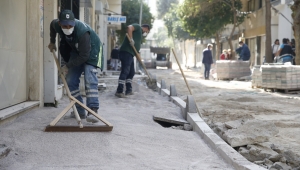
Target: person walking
[
  {"x": 243, "y": 51},
  {"x": 114, "y": 58},
  {"x": 79, "y": 47},
  {"x": 126, "y": 53},
  {"x": 207, "y": 60}
]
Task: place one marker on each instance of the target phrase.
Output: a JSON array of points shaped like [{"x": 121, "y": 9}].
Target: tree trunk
[
  {"x": 268, "y": 52},
  {"x": 218, "y": 46},
  {"x": 233, "y": 29},
  {"x": 232, "y": 55},
  {"x": 195, "y": 56},
  {"x": 296, "y": 17},
  {"x": 184, "y": 50}
]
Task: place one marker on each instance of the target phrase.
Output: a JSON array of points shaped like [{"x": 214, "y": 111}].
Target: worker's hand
[
  {"x": 52, "y": 46},
  {"x": 64, "y": 70},
  {"x": 131, "y": 42}
]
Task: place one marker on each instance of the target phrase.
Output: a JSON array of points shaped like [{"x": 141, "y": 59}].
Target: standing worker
[
  {"x": 243, "y": 51},
  {"x": 207, "y": 60},
  {"x": 126, "y": 53},
  {"x": 79, "y": 47}
]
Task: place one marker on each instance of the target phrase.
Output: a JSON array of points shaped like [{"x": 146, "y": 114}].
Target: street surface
[
  {"x": 222, "y": 101},
  {"x": 136, "y": 142}
]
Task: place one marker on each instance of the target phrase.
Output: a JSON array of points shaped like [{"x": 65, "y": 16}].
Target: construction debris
[
  {"x": 4, "y": 150},
  {"x": 251, "y": 132}
]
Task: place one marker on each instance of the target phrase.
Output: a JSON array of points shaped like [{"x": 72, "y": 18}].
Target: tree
[
  {"x": 175, "y": 27},
  {"x": 131, "y": 9},
  {"x": 296, "y": 27},
  {"x": 161, "y": 37},
  {"x": 208, "y": 17},
  {"x": 163, "y": 7},
  {"x": 268, "y": 54}
]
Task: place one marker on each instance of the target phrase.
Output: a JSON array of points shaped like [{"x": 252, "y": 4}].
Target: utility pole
[
  {"x": 141, "y": 11},
  {"x": 268, "y": 54}
]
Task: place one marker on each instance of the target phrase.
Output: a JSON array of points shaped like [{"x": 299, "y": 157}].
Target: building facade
[
  {"x": 27, "y": 68},
  {"x": 252, "y": 30}
]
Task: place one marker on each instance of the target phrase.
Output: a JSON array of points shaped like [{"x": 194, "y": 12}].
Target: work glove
[
  {"x": 52, "y": 46},
  {"x": 131, "y": 42},
  {"x": 64, "y": 70}
]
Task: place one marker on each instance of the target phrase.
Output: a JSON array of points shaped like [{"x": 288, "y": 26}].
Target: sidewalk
[{"x": 136, "y": 142}]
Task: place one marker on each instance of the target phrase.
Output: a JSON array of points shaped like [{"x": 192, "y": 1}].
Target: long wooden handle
[
  {"x": 61, "y": 74},
  {"x": 182, "y": 72},
  {"x": 186, "y": 81},
  {"x": 67, "y": 88},
  {"x": 139, "y": 58}
]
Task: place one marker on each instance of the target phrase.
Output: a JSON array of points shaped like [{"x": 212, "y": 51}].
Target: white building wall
[
  {"x": 284, "y": 27},
  {"x": 50, "y": 69}
]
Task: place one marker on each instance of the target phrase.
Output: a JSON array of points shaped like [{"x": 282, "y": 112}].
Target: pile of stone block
[
  {"x": 285, "y": 77},
  {"x": 256, "y": 77},
  {"x": 230, "y": 69}
]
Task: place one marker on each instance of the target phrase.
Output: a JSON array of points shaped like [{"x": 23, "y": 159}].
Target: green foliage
[
  {"x": 174, "y": 25},
  {"x": 163, "y": 7},
  {"x": 161, "y": 37},
  {"x": 204, "y": 18},
  {"x": 131, "y": 9}
]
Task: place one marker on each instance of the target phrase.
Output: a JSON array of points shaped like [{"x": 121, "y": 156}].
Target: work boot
[
  {"x": 82, "y": 116},
  {"x": 128, "y": 93},
  {"x": 91, "y": 118},
  {"x": 120, "y": 95}
]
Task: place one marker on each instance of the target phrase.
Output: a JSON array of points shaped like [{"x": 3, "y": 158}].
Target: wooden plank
[
  {"x": 101, "y": 128},
  {"x": 91, "y": 111},
  {"x": 53, "y": 123},
  {"x": 170, "y": 120}
]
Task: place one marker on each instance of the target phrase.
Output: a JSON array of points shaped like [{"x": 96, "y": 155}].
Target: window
[
  {"x": 251, "y": 5},
  {"x": 259, "y": 4}
]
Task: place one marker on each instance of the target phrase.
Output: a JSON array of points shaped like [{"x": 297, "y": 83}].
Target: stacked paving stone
[
  {"x": 256, "y": 77},
  {"x": 230, "y": 69},
  {"x": 284, "y": 77}
]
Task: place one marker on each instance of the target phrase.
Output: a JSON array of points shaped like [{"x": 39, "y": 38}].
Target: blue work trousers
[
  {"x": 127, "y": 72},
  {"x": 91, "y": 85}
]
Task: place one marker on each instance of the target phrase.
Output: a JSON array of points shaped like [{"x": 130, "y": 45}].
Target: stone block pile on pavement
[
  {"x": 256, "y": 77},
  {"x": 231, "y": 69},
  {"x": 280, "y": 77}
]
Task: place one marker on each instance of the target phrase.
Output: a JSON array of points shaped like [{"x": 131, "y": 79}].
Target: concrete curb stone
[{"x": 230, "y": 155}]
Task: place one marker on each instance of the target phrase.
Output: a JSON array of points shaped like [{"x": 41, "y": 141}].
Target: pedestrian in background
[
  {"x": 207, "y": 60},
  {"x": 275, "y": 48},
  {"x": 114, "y": 58},
  {"x": 79, "y": 47},
  {"x": 126, "y": 53},
  {"x": 229, "y": 56},
  {"x": 224, "y": 55},
  {"x": 243, "y": 51}
]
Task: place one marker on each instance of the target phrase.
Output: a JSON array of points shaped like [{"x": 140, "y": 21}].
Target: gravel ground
[{"x": 222, "y": 101}]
